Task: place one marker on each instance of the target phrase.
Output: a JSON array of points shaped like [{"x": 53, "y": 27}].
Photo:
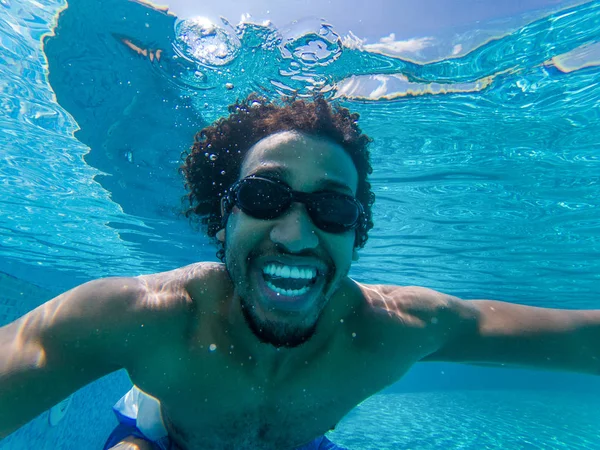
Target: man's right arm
[{"x": 70, "y": 341}]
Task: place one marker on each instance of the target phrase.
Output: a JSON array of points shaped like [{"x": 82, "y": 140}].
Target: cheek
[
  {"x": 341, "y": 249},
  {"x": 241, "y": 231},
  {"x": 232, "y": 232}
]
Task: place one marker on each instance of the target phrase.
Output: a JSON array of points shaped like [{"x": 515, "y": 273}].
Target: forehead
[{"x": 304, "y": 159}]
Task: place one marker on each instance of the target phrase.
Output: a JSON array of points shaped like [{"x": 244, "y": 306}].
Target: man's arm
[
  {"x": 486, "y": 331},
  {"x": 72, "y": 340}
]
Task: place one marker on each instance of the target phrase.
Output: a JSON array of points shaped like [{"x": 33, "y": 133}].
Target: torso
[{"x": 214, "y": 396}]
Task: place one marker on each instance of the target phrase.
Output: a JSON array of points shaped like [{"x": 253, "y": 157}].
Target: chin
[{"x": 282, "y": 332}]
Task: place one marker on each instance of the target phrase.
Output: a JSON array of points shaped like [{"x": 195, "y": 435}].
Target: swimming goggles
[{"x": 267, "y": 199}]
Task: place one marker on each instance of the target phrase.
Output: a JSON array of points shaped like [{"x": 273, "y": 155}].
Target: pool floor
[{"x": 473, "y": 420}]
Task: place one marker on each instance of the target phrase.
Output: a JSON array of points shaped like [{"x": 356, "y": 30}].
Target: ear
[
  {"x": 223, "y": 205},
  {"x": 221, "y": 233},
  {"x": 355, "y": 255}
]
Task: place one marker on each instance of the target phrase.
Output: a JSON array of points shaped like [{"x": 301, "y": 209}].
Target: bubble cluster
[
  {"x": 202, "y": 41},
  {"x": 310, "y": 43}
]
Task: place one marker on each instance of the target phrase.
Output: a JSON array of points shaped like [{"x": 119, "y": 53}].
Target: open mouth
[{"x": 289, "y": 281}]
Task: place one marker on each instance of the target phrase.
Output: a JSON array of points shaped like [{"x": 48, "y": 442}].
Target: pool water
[
  {"x": 473, "y": 420},
  {"x": 486, "y": 171}
]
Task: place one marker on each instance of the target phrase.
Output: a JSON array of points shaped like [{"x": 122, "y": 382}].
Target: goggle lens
[{"x": 267, "y": 199}]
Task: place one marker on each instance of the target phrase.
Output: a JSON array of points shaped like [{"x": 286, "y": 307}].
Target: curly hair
[{"x": 213, "y": 162}]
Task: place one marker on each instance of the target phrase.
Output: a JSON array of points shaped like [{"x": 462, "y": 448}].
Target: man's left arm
[{"x": 486, "y": 331}]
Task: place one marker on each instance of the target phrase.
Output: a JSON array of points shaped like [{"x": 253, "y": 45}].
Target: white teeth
[
  {"x": 290, "y": 272},
  {"x": 287, "y": 292},
  {"x": 283, "y": 271}
]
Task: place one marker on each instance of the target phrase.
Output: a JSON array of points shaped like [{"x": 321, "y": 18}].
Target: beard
[
  {"x": 286, "y": 332},
  {"x": 277, "y": 334}
]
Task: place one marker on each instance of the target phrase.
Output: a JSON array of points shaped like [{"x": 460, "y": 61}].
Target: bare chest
[
  {"x": 218, "y": 400},
  {"x": 253, "y": 416}
]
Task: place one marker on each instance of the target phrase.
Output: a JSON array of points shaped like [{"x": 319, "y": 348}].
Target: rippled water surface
[
  {"x": 485, "y": 153},
  {"x": 486, "y": 158}
]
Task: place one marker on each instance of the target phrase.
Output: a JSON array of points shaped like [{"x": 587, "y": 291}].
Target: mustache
[{"x": 279, "y": 250}]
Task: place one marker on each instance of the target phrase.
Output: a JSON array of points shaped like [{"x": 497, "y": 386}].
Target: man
[{"x": 272, "y": 348}]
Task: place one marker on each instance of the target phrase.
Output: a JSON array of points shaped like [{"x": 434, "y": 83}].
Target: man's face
[{"x": 285, "y": 270}]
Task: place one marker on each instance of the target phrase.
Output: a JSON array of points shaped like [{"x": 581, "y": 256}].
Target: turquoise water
[{"x": 486, "y": 170}]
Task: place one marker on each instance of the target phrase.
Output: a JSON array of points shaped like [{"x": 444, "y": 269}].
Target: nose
[{"x": 294, "y": 230}]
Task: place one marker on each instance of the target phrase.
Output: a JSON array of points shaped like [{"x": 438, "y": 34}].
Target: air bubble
[
  {"x": 213, "y": 157},
  {"x": 200, "y": 40},
  {"x": 311, "y": 42}
]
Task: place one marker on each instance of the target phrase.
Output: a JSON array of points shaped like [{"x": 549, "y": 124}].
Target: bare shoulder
[
  {"x": 146, "y": 306},
  {"x": 408, "y": 304},
  {"x": 411, "y": 322},
  {"x": 414, "y": 307},
  {"x": 181, "y": 287}
]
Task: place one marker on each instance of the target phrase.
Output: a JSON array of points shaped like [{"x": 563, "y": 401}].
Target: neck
[{"x": 266, "y": 360}]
